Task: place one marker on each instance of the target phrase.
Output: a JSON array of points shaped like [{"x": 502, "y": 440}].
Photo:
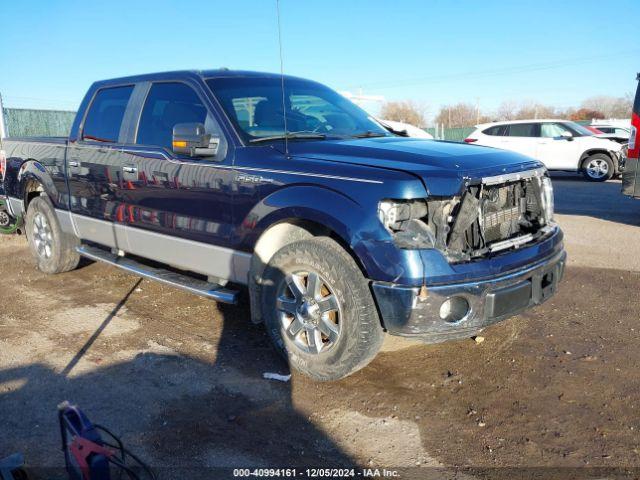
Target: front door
[
  {"x": 556, "y": 151},
  {"x": 177, "y": 208}
]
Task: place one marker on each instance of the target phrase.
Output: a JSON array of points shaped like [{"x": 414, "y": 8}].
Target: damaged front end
[{"x": 492, "y": 214}]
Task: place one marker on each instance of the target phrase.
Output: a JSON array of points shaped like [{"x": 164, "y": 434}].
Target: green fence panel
[
  {"x": 453, "y": 134},
  {"x": 22, "y": 122}
]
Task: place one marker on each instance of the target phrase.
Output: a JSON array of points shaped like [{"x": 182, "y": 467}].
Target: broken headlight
[
  {"x": 406, "y": 220},
  {"x": 547, "y": 199}
]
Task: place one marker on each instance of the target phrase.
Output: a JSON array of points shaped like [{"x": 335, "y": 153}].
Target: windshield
[
  {"x": 579, "y": 130},
  {"x": 313, "y": 111}
]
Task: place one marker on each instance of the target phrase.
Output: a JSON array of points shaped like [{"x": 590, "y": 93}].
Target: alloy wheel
[
  {"x": 42, "y": 236},
  {"x": 309, "y": 312},
  {"x": 597, "y": 168}
]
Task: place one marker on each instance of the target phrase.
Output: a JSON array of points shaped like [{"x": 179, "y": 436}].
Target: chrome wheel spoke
[
  {"x": 296, "y": 286},
  {"x": 313, "y": 284},
  {"x": 294, "y": 327},
  {"x": 314, "y": 339},
  {"x": 328, "y": 304},
  {"x": 287, "y": 305}
]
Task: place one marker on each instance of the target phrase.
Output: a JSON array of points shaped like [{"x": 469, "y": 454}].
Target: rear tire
[
  {"x": 598, "y": 167},
  {"x": 53, "y": 250},
  {"x": 319, "y": 311}
]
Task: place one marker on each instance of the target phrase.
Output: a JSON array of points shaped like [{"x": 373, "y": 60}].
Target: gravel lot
[{"x": 180, "y": 378}]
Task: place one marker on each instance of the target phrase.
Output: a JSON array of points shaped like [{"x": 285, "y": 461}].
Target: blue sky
[{"x": 434, "y": 52}]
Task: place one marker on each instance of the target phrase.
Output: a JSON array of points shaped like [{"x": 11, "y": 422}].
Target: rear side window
[
  {"x": 522, "y": 130},
  {"x": 105, "y": 114},
  {"x": 498, "y": 130},
  {"x": 168, "y": 104}
]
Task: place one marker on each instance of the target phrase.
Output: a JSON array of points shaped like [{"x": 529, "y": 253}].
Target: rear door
[
  {"x": 493, "y": 136},
  {"x": 631, "y": 174},
  {"x": 94, "y": 167},
  {"x": 522, "y": 138},
  {"x": 554, "y": 150}
]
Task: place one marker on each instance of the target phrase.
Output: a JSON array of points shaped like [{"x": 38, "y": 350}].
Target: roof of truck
[{"x": 211, "y": 73}]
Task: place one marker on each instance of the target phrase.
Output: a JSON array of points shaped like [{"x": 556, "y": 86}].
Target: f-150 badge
[{"x": 244, "y": 178}]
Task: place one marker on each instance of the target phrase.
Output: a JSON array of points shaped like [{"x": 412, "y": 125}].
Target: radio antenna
[{"x": 284, "y": 103}]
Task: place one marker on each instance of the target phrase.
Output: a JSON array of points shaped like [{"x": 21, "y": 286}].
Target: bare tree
[
  {"x": 610, "y": 107},
  {"x": 460, "y": 115},
  {"x": 508, "y": 110},
  {"x": 406, "y": 111},
  {"x": 535, "y": 110}
]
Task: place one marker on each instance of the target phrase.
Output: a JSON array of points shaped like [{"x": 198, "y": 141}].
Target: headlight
[
  {"x": 406, "y": 220},
  {"x": 393, "y": 213},
  {"x": 547, "y": 199}
]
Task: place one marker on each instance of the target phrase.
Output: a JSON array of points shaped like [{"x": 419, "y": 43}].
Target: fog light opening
[{"x": 454, "y": 309}]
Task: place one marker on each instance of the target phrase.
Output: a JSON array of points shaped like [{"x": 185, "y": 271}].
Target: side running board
[{"x": 178, "y": 280}]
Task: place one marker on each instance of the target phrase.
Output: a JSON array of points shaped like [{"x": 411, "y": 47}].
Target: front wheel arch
[{"x": 276, "y": 237}]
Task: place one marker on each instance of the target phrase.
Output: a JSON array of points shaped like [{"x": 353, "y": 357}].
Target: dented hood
[{"x": 442, "y": 166}]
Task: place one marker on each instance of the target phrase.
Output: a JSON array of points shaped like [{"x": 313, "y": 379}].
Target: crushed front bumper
[{"x": 489, "y": 301}]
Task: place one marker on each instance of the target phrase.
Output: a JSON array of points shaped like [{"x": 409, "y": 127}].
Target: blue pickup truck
[{"x": 341, "y": 231}]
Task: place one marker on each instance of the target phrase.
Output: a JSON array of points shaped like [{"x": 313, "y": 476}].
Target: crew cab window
[
  {"x": 105, "y": 114},
  {"x": 553, "y": 130},
  {"x": 168, "y": 104},
  {"x": 522, "y": 130}
]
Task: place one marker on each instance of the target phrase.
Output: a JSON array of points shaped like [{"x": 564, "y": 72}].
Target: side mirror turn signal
[{"x": 191, "y": 139}]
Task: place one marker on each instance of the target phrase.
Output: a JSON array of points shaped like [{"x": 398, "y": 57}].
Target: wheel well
[
  {"x": 588, "y": 153},
  {"x": 32, "y": 190},
  {"x": 276, "y": 237}
]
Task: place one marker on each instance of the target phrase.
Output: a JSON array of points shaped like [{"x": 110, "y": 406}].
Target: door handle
[{"x": 130, "y": 169}]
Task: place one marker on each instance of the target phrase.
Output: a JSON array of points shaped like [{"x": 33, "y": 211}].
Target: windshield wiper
[
  {"x": 369, "y": 134},
  {"x": 290, "y": 136}
]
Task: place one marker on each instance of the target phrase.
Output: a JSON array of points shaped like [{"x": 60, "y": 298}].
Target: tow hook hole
[{"x": 454, "y": 309}]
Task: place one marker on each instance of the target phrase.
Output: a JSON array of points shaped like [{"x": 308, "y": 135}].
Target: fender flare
[
  {"x": 288, "y": 210},
  {"x": 33, "y": 172},
  {"x": 336, "y": 211}
]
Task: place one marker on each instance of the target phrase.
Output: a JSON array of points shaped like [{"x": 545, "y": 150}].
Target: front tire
[
  {"x": 319, "y": 311},
  {"x": 53, "y": 250},
  {"x": 598, "y": 168}
]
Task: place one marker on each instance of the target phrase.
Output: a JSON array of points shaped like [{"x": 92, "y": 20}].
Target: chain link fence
[
  {"x": 450, "y": 134},
  {"x": 24, "y": 122}
]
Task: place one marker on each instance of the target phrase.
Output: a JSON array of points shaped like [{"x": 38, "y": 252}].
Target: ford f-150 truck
[{"x": 342, "y": 232}]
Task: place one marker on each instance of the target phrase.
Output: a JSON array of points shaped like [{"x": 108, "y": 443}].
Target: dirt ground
[{"x": 180, "y": 378}]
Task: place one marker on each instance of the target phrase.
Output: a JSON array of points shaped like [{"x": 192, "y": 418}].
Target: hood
[
  {"x": 605, "y": 141},
  {"x": 442, "y": 166}
]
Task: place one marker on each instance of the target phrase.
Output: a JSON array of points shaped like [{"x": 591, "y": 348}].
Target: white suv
[{"x": 559, "y": 144}]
